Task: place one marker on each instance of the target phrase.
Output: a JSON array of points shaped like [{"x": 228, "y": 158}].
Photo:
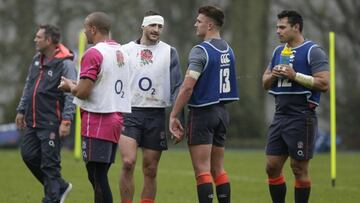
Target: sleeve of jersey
[
  {"x": 91, "y": 64},
  {"x": 318, "y": 60},
  {"x": 197, "y": 59},
  {"x": 175, "y": 74}
]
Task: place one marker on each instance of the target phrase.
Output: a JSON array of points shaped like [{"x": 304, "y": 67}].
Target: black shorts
[
  {"x": 96, "y": 150},
  {"x": 147, "y": 127},
  {"x": 207, "y": 125},
  {"x": 293, "y": 136}
]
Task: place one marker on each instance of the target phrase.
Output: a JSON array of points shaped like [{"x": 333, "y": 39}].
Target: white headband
[{"x": 156, "y": 19}]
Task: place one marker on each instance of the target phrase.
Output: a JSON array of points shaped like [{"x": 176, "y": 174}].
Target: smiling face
[
  {"x": 41, "y": 41},
  {"x": 285, "y": 31},
  {"x": 152, "y": 32}
]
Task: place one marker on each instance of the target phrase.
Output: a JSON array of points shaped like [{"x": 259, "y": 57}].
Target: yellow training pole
[
  {"x": 77, "y": 145},
  {"x": 332, "y": 106}
]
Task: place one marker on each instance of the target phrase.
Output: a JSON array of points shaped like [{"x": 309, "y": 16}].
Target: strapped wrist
[{"x": 305, "y": 80}]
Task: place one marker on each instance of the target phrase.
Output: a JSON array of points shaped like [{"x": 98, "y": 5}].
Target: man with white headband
[{"x": 155, "y": 80}]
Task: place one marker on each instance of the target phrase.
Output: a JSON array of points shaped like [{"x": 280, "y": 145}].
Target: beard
[{"x": 153, "y": 37}]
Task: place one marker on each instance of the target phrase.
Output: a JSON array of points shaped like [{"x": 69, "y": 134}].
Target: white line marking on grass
[{"x": 251, "y": 179}]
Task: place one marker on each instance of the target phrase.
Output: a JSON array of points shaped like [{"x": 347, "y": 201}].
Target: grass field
[{"x": 176, "y": 183}]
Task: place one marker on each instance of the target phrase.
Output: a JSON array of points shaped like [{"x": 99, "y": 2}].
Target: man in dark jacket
[{"x": 45, "y": 112}]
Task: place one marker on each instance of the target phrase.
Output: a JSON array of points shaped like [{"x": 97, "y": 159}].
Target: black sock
[
  {"x": 302, "y": 195},
  {"x": 302, "y": 190},
  {"x": 223, "y": 193},
  {"x": 97, "y": 174},
  {"x": 278, "y": 193},
  {"x": 205, "y": 193}
]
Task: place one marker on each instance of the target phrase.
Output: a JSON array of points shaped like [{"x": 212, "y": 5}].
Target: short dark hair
[
  {"x": 151, "y": 13},
  {"x": 214, "y": 13},
  {"x": 293, "y": 18},
  {"x": 52, "y": 32},
  {"x": 101, "y": 21}
]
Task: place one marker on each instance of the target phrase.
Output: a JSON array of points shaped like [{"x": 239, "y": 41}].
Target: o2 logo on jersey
[
  {"x": 119, "y": 88},
  {"x": 225, "y": 80},
  {"x": 145, "y": 84},
  {"x": 224, "y": 58}
]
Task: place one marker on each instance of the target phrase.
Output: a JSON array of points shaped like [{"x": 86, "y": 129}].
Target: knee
[
  {"x": 298, "y": 170},
  {"x": 272, "y": 170},
  {"x": 150, "y": 171},
  {"x": 128, "y": 165},
  {"x": 216, "y": 172}
]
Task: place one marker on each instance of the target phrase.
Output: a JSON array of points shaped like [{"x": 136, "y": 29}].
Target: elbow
[
  {"x": 187, "y": 90},
  {"x": 266, "y": 85},
  {"x": 82, "y": 97},
  {"x": 80, "y": 94},
  {"x": 324, "y": 88},
  {"x": 267, "y": 82}
]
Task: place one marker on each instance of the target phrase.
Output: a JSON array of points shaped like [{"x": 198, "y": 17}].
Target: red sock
[
  {"x": 276, "y": 181},
  {"x": 221, "y": 179},
  {"x": 302, "y": 184},
  {"x": 147, "y": 200}
]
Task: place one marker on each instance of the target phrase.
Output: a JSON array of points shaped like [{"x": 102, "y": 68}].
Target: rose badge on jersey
[
  {"x": 146, "y": 57},
  {"x": 119, "y": 58}
]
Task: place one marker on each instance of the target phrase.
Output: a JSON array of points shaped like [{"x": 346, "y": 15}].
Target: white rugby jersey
[
  {"x": 111, "y": 91},
  {"x": 150, "y": 74}
]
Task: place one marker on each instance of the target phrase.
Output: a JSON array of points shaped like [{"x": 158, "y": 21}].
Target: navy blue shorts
[
  {"x": 293, "y": 136},
  {"x": 207, "y": 125},
  {"x": 97, "y": 150},
  {"x": 147, "y": 127}
]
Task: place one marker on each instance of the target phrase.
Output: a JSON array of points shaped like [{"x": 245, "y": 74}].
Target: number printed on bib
[
  {"x": 284, "y": 82},
  {"x": 224, "y": 80}
]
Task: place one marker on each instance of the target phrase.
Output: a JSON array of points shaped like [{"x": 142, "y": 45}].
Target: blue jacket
[{"x": 43, "y": 104}]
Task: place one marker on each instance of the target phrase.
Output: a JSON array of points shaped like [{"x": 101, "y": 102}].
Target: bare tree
[
  {"x": 17, "y": 20},
  {"x": 249, "y": 27}
]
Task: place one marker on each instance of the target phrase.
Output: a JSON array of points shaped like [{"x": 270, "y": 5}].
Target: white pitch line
[{"x": 252, "y": 179}]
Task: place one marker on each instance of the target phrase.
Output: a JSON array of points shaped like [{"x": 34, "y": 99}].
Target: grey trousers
[{"x": 40, "y": 150}]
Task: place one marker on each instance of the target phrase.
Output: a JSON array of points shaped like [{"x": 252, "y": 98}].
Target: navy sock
[
  {"x": 223, "y": 193},
  {"x": 205, "y": 193}
]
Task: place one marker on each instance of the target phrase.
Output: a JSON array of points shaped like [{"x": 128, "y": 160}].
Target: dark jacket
[{"x": 43, "y": 104}]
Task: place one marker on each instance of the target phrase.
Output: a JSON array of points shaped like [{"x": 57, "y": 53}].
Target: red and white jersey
[
  {"x": 150, "y": 74},
  {"x": 108, "y": 65}
]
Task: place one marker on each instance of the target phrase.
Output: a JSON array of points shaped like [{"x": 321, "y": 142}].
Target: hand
[
  {"x": 176, "y": 130},
  {"x": 65, "y": 84},
  {"x": 20, "y": 121},
  {"x": 64, "y": 129},
  {"x": 284, "y": 71}
]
